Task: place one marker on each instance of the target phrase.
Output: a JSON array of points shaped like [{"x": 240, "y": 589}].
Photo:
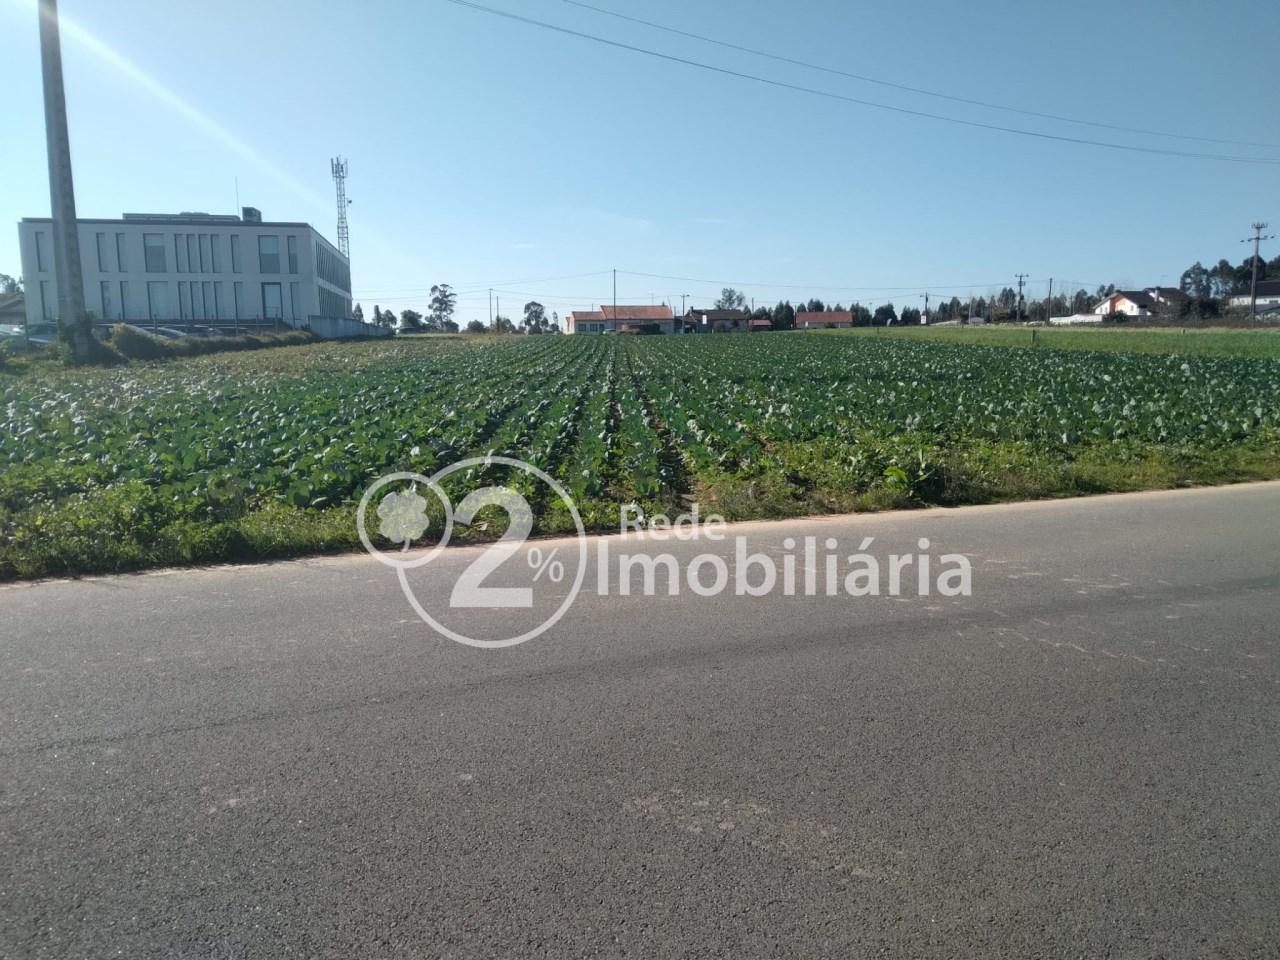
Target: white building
[
  {"x": 1268, "y": 296},
  {"x": 209, "y": 269}
]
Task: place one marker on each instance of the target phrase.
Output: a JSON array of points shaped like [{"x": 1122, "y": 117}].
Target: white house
[
  {"x": 1140, "y": 303},
  {"x": 1268, "y": 296},
  {"x": 173, "y": 269}
]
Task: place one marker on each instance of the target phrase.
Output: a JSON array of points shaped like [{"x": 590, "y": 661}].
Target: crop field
[
  {"x": 1193, "y": 341},
  {"x": 265, "y": 454}
]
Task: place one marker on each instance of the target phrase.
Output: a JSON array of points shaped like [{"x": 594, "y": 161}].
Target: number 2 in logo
[{"x": 469, "y": 590}]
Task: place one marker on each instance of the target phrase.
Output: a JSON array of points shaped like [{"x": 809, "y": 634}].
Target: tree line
[{"x": 440, "y": 311}]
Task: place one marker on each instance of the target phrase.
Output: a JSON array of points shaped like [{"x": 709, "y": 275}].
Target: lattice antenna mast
[{"x": 339, "y": 168}]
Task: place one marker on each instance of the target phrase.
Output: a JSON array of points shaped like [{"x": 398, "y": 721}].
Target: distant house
[
  {"x": 761, "y": 324},
  {"x": 585, "y": 321},
  {"x": 1268, "y": 296},
  {"x": 622, "y": 319},
  {"x": 711, "y": 320},
  {"x": 811, "y": 320},
  {"x": 1141, "y": 303},
  {"x": 640, "y": 319},
  {"x": 13, "y": 309}
]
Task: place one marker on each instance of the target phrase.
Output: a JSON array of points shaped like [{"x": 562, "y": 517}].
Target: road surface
[{"x": 1080, "y": 760}]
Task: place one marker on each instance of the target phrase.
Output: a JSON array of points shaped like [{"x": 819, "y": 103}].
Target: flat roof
[{"x": 172, "y": 220}]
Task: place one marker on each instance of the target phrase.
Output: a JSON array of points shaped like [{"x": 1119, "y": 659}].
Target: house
[
  {"x": 640, "y": 319},
  {"x": 173, "y": 269},
  {"x": 761, "y": 324},
  {"x": 1152, "y": 301},
  {"x": 624, "y": 318},
  {"x": 584, "y": 321},
  {"x": 1268, "y": 296},
  {"x": 713, "y": 320},
  {"x": 13, "y": 311},
  {"x": 825, "y": 319}
]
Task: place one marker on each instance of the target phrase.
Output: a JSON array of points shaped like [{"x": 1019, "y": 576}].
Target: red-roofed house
[
  {"x": 761, "y": 324},
  {"x": 584, "y": 321},
  {"x": 807, "y": 320},
  {"x": 624, "y": 318}
]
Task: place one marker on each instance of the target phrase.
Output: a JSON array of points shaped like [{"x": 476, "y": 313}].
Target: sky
[{"x": 486, "y": 152}]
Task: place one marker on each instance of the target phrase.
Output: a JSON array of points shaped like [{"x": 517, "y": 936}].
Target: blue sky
[{"x": 489, "y": 152}]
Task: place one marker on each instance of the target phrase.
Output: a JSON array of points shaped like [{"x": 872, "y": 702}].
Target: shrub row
[{"x": 130, "y": 343}]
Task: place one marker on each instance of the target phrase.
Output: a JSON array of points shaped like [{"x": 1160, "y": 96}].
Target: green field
[
  {"x": 1191, "y": 341},
  {"x": 263, "y": 454}
]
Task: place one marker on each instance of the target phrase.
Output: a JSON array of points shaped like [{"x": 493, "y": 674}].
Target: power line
[
  {"x": 920, "y": 90},
  {"x": 781, "y": 84},
  {"x": 804, "y": 286}
]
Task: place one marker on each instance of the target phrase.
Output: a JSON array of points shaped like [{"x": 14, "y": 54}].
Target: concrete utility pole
[
  {"x": 1256, "y": 240},
  {"x": 491, "y": 308},
  {"x": 62, "y": 193},
  {"x": 615, "y": 298},
  {"x": 1021, "y": 280},
  {"x": 1048, "y": 303}
]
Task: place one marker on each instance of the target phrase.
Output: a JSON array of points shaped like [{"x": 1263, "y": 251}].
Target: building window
[
  {"x": 272, "y": 308},
  {"x": 184, "y": 301},
  {"x": 206, "y": 298},
  {"x": 204, "y": 253},
  {"x": 269, "y": 255},
  {"x": 197, "y": 308},
  {"x": 295, "y": 294},
  {"x": 158, "y": 300},
  {"x": 235, "y": 253},
  {"x": 237, "y": 294},
  {"x": 122, "y": 262},
  {"x": 104, "y": 292},
  {"x": 180, "y": 253},
  {"x": 124, "y": 295},
  {"x": 40, "y": 257},
  {"x": 100, "y": 241},
  {"x": 45, "y": 313},
  {"x": 215, "y": 253},
  {"x": 193, "y": 254},
  {"x": 153, "y": 253},
  {"x": 219, "y": 300},
  {"x": 293, "y": 254}
]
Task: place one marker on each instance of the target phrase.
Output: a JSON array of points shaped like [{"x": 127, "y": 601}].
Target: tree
[
  {"x": 10, "y": 284},
  {"x": 357, "y": 313},
  {"x": 910, "y": 315},
  {"x": 443, "y": 301},
  {"x": 731, "y": 299},
  {"x": 884, "y": 315},
  {"x": 450, "y": 326},
  {"x": 861, "y": 315},
  {"x": 1195, "y": 281},
  {"x": 503, "y": 324},
  {"x": 815, "y": 306},
  {"x": 535, "y": 318},
  {"x": 477, "y": 326},
  {"x": 784, "y": 316},
  {"x": 410, "y": 320},
  {"x": 554, "y": 325}
]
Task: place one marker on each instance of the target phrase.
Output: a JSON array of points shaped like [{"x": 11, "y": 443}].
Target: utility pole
[
  {"x": 615, "y": 298},
  {"x": 491, "y": 308},
  {"x": 1048, "y": 304},
  {"x": 1021, "y": 280},
  {"x": 1256, "y": 240},
  {"x": 924, "y": 317},
  {"x": 62, "y": 192}
]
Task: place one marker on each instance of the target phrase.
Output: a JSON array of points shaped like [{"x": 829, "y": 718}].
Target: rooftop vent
[{"x": 250, "y": 214}]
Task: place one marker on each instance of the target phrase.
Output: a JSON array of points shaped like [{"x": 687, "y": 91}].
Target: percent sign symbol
[{"x": 549, "y": 565}]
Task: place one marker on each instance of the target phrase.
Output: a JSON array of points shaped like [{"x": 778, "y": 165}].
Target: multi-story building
[{"x": 176, "y": 269}]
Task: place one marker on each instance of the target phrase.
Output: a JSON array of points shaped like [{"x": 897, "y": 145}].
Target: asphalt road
[{"x": 1080, "y": 760}]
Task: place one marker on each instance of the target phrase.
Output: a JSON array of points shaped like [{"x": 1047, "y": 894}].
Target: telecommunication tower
[{"x": 339, "y": 168}]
